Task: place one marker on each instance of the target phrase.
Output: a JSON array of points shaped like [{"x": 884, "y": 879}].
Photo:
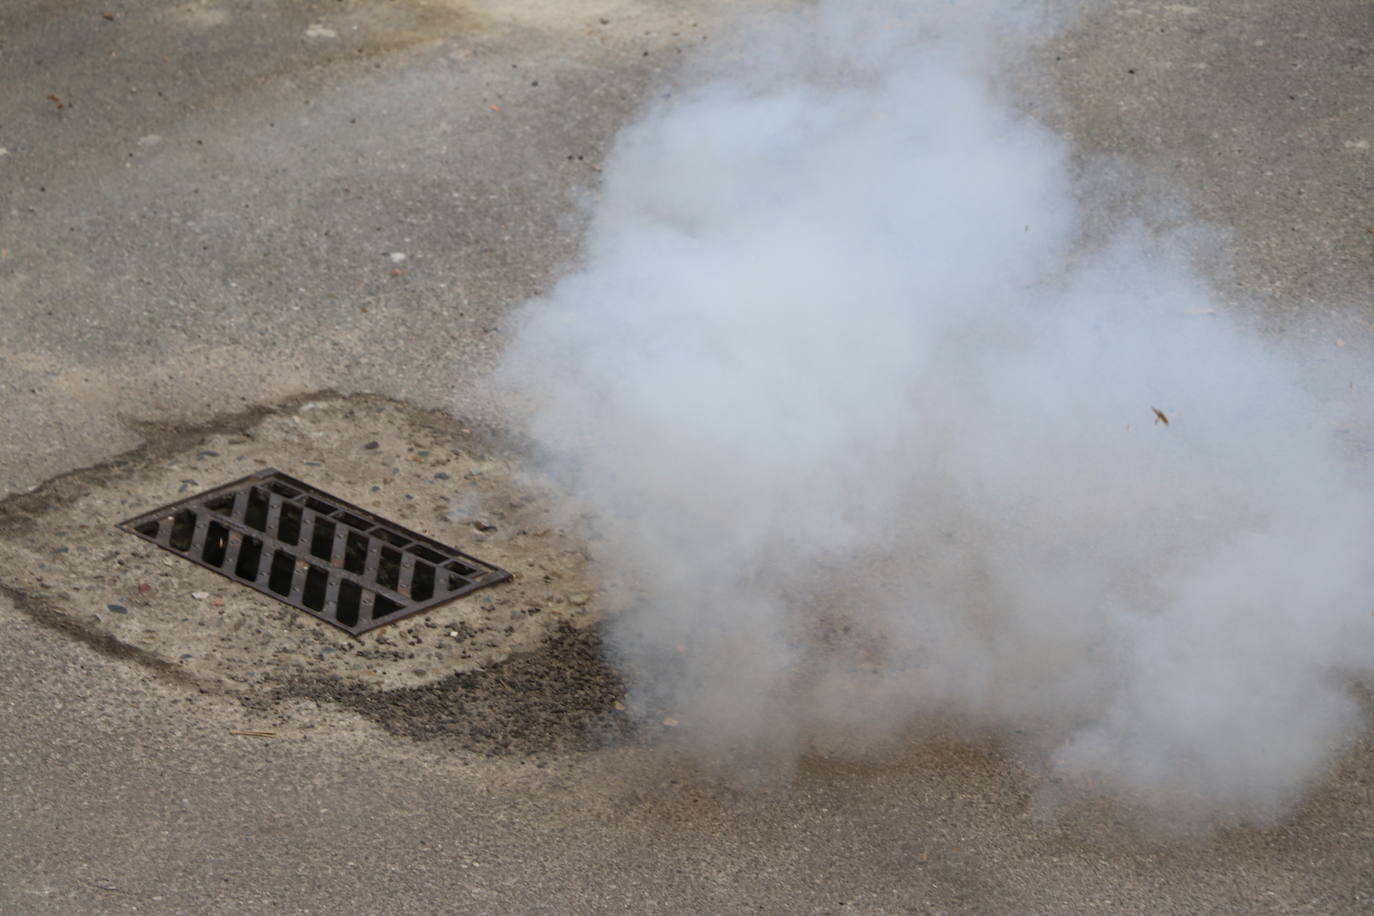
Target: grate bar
[
  {"x": 366, "y": 572},
  {"x": 264, "y": 561},
  {"x": 307, "y": 534},
  {"x": 231, "y": 553},
  {"x": 374, "y": 559},
  {"x": 273, "y": 512},
  {"x": 240, "y": 506},
  {"x": 331, "y": 597},
  {"x": 272, "y": 544},
  {"x": 201, "y": 532},
  {"x": 298, "y": 571}
]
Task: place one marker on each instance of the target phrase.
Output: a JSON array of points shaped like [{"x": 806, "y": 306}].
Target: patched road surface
[{"x": 238, "y": 234}]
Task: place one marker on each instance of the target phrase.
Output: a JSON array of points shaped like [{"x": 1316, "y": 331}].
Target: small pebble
[
  {"x": 117, "y": 608},
  {"x": 370, "y": 445},
  {"x": 200, "y": 596}
]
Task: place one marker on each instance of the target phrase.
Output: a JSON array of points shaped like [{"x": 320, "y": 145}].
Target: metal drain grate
[{"x": 314, "y": 551}]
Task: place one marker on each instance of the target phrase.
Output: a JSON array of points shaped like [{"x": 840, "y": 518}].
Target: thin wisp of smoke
[{"x": 876, "y": 433}]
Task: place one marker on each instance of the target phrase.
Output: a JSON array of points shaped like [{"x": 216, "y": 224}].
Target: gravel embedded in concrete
[{"x": 69, "y": 557}]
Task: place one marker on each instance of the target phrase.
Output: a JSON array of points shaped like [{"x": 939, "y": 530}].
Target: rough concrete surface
[
  {"x": 203, "y": 212},
  {"x": 430, "y": 474}
]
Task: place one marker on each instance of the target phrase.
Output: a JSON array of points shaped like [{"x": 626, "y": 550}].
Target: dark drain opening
[
  {"x": 381, "y": 607},
  {"x": 354, "y": 521},
  {"x": 289, "y": 526},
  {"x": 355, "y": 554},
  {"x": 322, "y": 543},
  {"x": 422, "y": 582},
  {"x": 429, "y": 555},
  {"x": 250, "y": 553},
  {"x": 216, "y": 543},
  {"x": 314, "y": 551},
  {"x": 316, "y": 581},
  {"x": 391, "y": 538},
  {"x": 279, "y": 579},
  {"x": 350, "y": 597},
  {"x": 183, "y": 527},
  {"x": 256, "y": 514},
  {"x": 389, "y": 569}
]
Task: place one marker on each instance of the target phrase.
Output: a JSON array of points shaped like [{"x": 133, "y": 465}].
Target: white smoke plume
[{"x": 875, "y": 429}]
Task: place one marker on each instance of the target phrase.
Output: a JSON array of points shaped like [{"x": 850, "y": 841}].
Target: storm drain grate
[{"x": 314, "y": 551}]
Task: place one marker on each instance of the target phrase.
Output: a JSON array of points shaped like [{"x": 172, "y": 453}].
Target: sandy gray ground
[{"x": 201, "y": 209}]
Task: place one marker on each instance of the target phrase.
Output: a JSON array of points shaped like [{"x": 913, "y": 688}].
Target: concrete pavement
[{"x": 202, "y": 205}]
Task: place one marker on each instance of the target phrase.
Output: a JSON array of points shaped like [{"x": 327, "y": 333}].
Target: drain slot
[{"x": 313, "y": 551}]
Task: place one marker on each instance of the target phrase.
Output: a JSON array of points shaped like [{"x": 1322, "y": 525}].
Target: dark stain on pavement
[{"x": 562, "y": 697}]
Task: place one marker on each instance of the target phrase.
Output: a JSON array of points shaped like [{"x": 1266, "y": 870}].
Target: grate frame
[{"x": 309, "y": 549}]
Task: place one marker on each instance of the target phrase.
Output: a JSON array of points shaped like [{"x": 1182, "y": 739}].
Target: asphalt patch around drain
[{"x": 514, "y": 668}]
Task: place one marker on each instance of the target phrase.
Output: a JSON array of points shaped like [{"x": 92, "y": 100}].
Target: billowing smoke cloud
[{"x": 875, "y": 431}]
